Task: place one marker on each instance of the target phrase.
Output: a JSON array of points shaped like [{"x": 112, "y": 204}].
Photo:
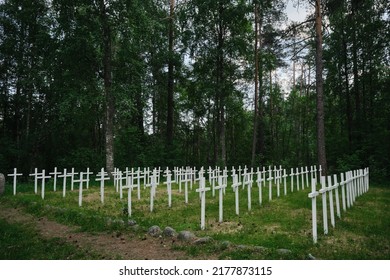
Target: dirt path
[{"x": 109, "y": 246}]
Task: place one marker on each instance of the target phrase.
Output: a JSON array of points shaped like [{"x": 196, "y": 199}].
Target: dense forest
[{"x": 93, "y": 83}]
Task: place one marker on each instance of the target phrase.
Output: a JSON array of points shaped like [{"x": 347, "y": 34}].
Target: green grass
[
  {"x": 21, "y": 242},
  {"x": 285, "y": 222}
]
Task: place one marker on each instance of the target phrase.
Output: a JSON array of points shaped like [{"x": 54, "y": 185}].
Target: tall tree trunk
[
  {"x": 170, "y": 102},
  {"x": 221, "y": 88},
  {"x": 256, "y": 101},
  {"x": 321, "y": 151},
  {"x": 109, "y": 122},
  {"x": 347, "y": 93}
]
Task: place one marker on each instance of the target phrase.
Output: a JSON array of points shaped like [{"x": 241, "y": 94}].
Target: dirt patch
[
  {"x": 224, "y": 227},
  {"x": 108, "y": 246}
]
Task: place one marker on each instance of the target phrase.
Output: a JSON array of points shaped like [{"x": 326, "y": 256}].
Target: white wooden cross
[
  {"x": 342, "y": 185},
  {"x": 55, "y": 173},
  {"x": 303, "y": 178},
  {"x": 180, "y": 177},
  {"x": 336, "y": 190},
  {"x": 88, "y": 173},
  {"x": 138, "y": 177},
  {"x": 292, "y": 179},
  {"x": 64, "y": 175},
  {"x": 168, "y": 182},
  {"x": 15, "y": 175},
  {"x": 275, "y": 174},
  {"x": 235, "y": 187},
  {"x": 285, "y": 181},
  {"x": 212, "y": 179},
  {"x": 297, "y": 175},
  {"x": 247, "y": 182},
  {"x": 101, "y": 176},
  {"x": 120, "y": 178},
  {"x": 307, "y": 176},
  {"x": 239, "y": 173},
  {"x": 259, "y": 182},
  {"x": 81, "y": 180},
  {"x": 269, "y": 179},
  {"x": 220, "y": 188},
  {"x": 331, "y": 205},
  {"x": 43, "y": 183},
  {"x": 129, "y": 186},
  {"x": 115, "y": 174},
  {"x": 323, "y": 191},
  {"x": 313, "y": 195},
  {"x": 36, "y": 177},
  {"x": 152, "y": 185},
  {"x": 277, "y": 178},
  {"x": 186, "y": 180},
  {"x": 72, "y": 179},
  {"x": 202, "y": 191}
]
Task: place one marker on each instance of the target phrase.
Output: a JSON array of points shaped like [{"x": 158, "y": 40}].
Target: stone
[
  {"x": 155, "y": 231},
  {"x": 243, "y": 247},
  {"x": 203, "y": 240},
  {"x": 283, "y": 251},
  {"x": 186, "y": 236},
  {"x": 169, "y": 232},
  {"x": 311, "y": 257},
  {"x": 2, "y": 183},
  {"x": 131, "y": 223}
]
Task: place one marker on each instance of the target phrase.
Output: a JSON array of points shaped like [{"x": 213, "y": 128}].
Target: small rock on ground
[
  {"x": 186, "y": 236},
  {"x": 203, "y": 240},
  {"x": 154, "y": 231},
  {"x": 169, "y": 232}
]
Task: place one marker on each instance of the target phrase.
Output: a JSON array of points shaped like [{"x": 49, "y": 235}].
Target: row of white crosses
[{"x": 352, "y": 184}]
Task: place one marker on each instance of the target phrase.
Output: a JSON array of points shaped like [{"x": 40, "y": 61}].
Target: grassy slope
[{"x": 285, "y": 222}]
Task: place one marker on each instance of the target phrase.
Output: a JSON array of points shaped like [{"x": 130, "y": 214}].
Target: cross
[
  {"x": 64, "y": 175},
  {"x": 277, "y": 179},
  {"x": 269, "y": 179},
  {"x": 152, "y": 186},
  {"x": 72, "y": 179},
  {"x": 331, "y": 207},
  {"x": 81, "y": 181},
  {"x": 55, "y": 173},
  {"x": 202, "y": 191},
  {"x": 115, "y": 174},
  {"x": 302, "y": 177},
  {"x": 297, "y": 175},
  {"x": 292, "y": 179},
  {"x": 212, "y": 178},
  {"x": 323, "y": 191},
  {"x": 259, "y": 185},
  {"x": 88, "y": 173},
  {"x": 101, "y": 176},
  {"x": 239, "y": 173},
  {"x": 220, "y": 188},
  {"x": 14, "y": 175},
  {"x": 129, "y": 186},
  {"x": 186, "y": 180},
  {"x": 235, "y": 186},
  {"x": 284, "y": 181},
  {"x": 307, "y": 176},
  {"x": 313, "y": 195},
  {"x": 36, "y": 177},
  {"x": 43, "y": 183},
  {"x": 168, "y": 182},
  {"x": 138, "y": 177}
]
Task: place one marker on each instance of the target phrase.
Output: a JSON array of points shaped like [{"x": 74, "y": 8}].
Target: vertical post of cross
[
  {"x": 14, "y": 175},
  {"x": 313, "y": 195}
]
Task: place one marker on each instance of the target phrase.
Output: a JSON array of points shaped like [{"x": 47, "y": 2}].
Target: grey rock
[
  {"x": 311, "y": 257},
  {"x": 186, "y": 236},
  {"x": 135, "y": 228},
  {"x": 169, "y": 232},
  {"x": 131, "y": 223},
  {"x": 284, "y": 251},
  {"x": 203, "y": 240},
  {"x": 2, "y": 183},
  {"x": 154, "y": 231}
]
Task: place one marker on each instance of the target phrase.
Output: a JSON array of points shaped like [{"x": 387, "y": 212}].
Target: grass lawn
[{"x": 363, "y": 232}]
